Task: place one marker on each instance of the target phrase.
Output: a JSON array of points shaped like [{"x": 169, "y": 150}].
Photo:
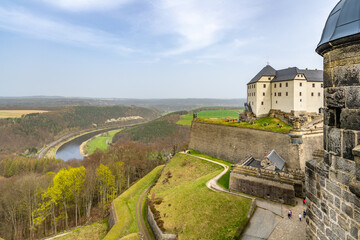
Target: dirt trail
[{"x": 139, "y": 216}]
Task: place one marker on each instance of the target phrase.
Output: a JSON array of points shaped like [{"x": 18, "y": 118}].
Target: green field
[
  {"x": 125, "y": 207},
  {"x": 100, "y": 142},
  {"x": 191, "y": 210},
  {"x": 224, "y": 180},
  {"x": 95, "y": 231},
  {"x": 266, "y": 123},
  {"x": 186, "y": 119}
]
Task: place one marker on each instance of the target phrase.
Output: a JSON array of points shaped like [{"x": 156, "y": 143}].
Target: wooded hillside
[{"x": 35, "y": 130}]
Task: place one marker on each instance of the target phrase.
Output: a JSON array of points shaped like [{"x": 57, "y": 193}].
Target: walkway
[
  {"x": 270, "y": 219},
  {"x": 139, "y": 216}
]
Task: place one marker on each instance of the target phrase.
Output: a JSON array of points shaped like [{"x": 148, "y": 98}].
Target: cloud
[
  {"x": 87, "y": 5},
  {"x": 20, "y": 21},
  {"x": 200, "y": 23}
]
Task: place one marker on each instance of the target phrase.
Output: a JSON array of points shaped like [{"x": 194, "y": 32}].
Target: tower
[{"x": 333, "y": 183}]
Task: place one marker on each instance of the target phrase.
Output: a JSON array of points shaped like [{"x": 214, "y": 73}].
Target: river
[{"x": 71, "y": 149}]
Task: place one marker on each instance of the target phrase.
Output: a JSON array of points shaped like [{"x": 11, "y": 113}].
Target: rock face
[{"x": 333, "y": 183}]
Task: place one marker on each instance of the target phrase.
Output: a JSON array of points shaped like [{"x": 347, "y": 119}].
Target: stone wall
[
  {"x": 235, "y": 143},
  {"x": 333, "y": 183},
  {"x": 272, "y": 185},
  {"x": 159, "y": 235},
  {"x": 112, "y": 216}
]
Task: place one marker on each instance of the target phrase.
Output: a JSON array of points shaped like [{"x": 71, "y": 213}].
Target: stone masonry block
[
  {"x": 345, "y": 165},
  {"x": 352, "y": 97},
  {"x": 338, "y": 230},
  {"x": 340, "y": 177},
  {"x": 335, "y": 97},
  {"x": 354, "y": 230},
  {"x": 334, "y": 143},
  {"x": 331, "y": 187},
  {"x": 348, "y": 210},
  {"x": 347, "y": 75},
  {"x": 350, "y": 119},
  {"x": 331, "y": 235},
  {"x": 329, "y": 117},
  {"x": 348, "y": 144}
]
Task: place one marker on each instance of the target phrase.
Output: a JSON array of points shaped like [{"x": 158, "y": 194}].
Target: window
[
  {"x": 287, "y": 94},
  {"x": 275, "y": 94},
  {"x": 312, "y": 94},
  {"x": 263, "y": 94},
  {"x": 319, "y": 94},
  {"x": 286, "y": 84},
  {"x": 313, "y": 84},
  {"x": 300, "y": 94},
  {"x": 300, "y": 100},
  {"x": 322, "y": 85},
  {"x": 262, "y": 103},
  {"x": 264, "y": 85},
  {"x": 279, "y": 94},
  {"x": 276, "y": 102},
  {"x": 300, "y": 84},
  {"x": 280, "y": 85},
  {"x": 275, "y": 85},
  {"x": 269, "y": 78}
]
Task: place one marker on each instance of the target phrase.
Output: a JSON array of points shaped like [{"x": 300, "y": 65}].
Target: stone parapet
[{"x": 159, "y": 235}]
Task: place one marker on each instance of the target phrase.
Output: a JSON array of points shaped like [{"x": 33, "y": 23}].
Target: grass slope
[
  {"x": 186, "y": 119},
  {"x": 271, "y": 124},
  {"x": 224, "y": 180},
  {"x": 100, "y": 142},
  {"x": 95, "y": 231},
  {"x": 190, "y": 209},
  {"x": 125, "y": 207}
]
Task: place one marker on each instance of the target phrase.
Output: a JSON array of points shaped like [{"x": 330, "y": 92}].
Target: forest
[{"x": 40, "y": 197}]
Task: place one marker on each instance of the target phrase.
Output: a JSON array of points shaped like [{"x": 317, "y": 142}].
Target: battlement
[{"x": 284, "y": 177}]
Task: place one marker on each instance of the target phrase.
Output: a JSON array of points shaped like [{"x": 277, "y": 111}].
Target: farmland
[
  {"x": 219, "y": 114},
  {"x": 17, "y": 113}
]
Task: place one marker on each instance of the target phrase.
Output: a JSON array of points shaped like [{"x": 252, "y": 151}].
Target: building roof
[
  {"x": 343, "y": 21},
  {"x": 266, "y": 71},
  {"x": 288, "y": 74},
  {"x": 276, "y": 159}
]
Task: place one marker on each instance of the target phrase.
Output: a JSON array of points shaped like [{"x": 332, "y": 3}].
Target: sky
[{"x": 153, "y": 48}]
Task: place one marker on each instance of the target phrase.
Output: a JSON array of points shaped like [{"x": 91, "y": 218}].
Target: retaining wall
[
  {"x": 236, "y": 143},
  {"x": 159, "y": 235}
]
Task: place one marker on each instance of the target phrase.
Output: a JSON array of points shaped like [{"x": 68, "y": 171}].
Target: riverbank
[
  {"x": 89, "y": 146},
  {"x": 51, "y": 149}
]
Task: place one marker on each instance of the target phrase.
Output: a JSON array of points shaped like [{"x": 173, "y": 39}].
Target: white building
[{"x": 291, "y": 89}]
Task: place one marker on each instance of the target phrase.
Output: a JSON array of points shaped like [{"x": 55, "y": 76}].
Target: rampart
[
  {"x": 276, "y": 186},
  {"x": 159, "y": 235},
  {"x": 236, "y": 143}
]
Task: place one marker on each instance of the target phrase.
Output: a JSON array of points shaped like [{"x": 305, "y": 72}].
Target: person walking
[
  {"x": 300, "y": 217},
  {"x": 304, "y": 214},
  {"x": 289, "y": 214}
]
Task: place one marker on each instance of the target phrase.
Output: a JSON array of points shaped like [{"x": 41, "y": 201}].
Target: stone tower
[{"x": 333, "y": 183}]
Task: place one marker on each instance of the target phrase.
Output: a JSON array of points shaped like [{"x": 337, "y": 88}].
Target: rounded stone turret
[
  {"x": 342, "y": 25},
  {"x": 333, "y": 183}
]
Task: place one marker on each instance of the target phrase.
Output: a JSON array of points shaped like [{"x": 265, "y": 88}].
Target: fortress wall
[{"x": 235, "y": 143}]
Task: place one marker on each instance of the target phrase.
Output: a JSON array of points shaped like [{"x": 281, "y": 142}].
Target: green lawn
[
  {"x": 125, "y": 207},
  {"x": 266, "y": 123},
  {"x": 101, "y": 142},
  {"x": 224, "y": 180},
  {"x": 191, "y": 210},
  {"x": 186, "y": 119},
  {"x": 95, "y": 231}
]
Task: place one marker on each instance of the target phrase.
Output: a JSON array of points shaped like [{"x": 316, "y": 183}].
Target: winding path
[{"x": 139, "y": 216}]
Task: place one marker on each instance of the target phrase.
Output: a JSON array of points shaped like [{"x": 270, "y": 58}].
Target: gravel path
[{"x": 139, "y": 216}]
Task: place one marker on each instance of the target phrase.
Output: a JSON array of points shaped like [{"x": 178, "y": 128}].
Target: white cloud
[
  {"x": 23, "y": 22},
  {"x": 87, "y": 5},
  {"x": 200, "y": 23}
]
